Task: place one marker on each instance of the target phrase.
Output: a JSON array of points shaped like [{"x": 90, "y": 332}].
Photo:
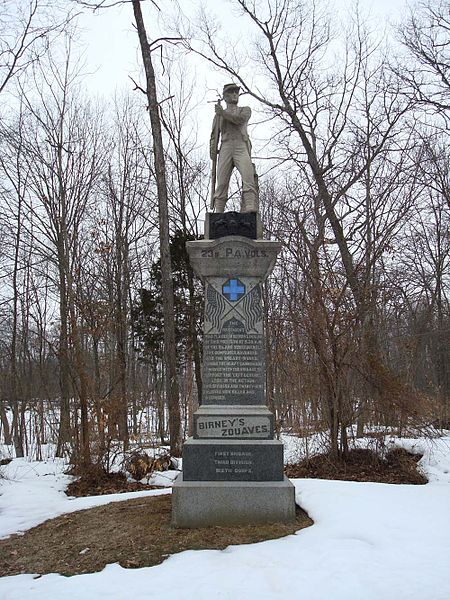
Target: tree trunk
[
  {"x": 64, "y": 433},
  {"x": 269, "y": 359},
  {"x": 80, "y": 365},
  {"x": 6, "y": 429},
  {"x": 193, "y": 335},
  {"x": 172, "y": 386},
  {"x": 14, "y": 383},
  {"x": 99, "y": 414},
  {"x": 122, "y": 279}
]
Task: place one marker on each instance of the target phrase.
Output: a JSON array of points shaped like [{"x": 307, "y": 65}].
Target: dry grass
[
  {"x": 398, "y": 466},
  {"x": 96, "y": 482},
  {"x": 135, "y": 533}
]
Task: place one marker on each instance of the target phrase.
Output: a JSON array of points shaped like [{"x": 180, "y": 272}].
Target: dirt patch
[
  {"x": 134, "y": 533},
  {"x": 398, "y": 466},
  {"x": 97, "y": 483}
]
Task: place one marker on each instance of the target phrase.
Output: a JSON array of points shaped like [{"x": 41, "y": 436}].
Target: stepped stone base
[{"x": 209, "y": 503}]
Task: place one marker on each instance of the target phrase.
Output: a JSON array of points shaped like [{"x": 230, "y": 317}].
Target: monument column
[{"x": 233, "y": 466}]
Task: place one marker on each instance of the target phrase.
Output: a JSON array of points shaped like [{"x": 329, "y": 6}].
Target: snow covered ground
[
  {"x": 369, "y": 541},
  {"x": 34, "y": 492}
]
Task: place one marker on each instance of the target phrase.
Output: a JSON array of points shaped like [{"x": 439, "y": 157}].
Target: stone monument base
[{"x": 209, "y": 503}]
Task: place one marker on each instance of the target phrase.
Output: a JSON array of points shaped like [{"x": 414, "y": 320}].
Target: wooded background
[{"x": 356, "y": 188}]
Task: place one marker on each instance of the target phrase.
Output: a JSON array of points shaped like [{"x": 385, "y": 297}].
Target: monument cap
[{"x": 230, "y": 86}]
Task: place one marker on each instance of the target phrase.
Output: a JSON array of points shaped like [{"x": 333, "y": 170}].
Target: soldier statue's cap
[{"x": 230, "y": 86}]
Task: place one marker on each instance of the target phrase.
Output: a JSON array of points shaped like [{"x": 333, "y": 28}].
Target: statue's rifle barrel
[{"x": 214, "y": 165}]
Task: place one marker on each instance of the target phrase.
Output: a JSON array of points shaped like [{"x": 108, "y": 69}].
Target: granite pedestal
[{"x": 233, "y": 466}]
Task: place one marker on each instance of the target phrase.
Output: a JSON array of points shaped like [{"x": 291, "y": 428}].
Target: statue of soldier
[{"x": 230, "y": 126}]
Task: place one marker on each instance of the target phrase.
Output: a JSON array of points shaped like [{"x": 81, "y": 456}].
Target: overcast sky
[
  {"x": 111, "y": 44},
  {"x": 112, "y": 54}
]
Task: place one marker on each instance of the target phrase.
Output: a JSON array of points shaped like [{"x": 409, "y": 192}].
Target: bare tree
[
  {"x": 26, "y": 375},
  {"x": 147, "y": 48},
  {"x": 17, "y": 179},
  {"x": 61, "y": 152},
  {"x": 27, "y": 27},
  {"x": 187, "y": 192},
  {"x": 172, "y": 385},
  {"x": 426, "y": 38},
  {"x": 426, "y": 255},
  {"x": 340, "y": 126},
  {"x": 131, "y": 210}
]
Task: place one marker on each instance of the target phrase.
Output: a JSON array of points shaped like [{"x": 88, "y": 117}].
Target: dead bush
[{"x": 140, "y": 465}]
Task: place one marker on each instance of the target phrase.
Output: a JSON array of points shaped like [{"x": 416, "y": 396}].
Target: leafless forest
[{"x": 96, "y": 209}]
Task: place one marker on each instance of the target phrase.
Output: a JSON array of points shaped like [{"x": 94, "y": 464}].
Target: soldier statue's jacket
[{"x": 232, "y": 125}]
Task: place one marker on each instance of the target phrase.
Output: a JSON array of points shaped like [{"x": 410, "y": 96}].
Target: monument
[{"x": 233, "y": 466}]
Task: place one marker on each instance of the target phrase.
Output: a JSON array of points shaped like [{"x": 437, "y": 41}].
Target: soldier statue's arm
[
  {"x": 240, "y": 117},
  {"x": 214, "y": 139}
]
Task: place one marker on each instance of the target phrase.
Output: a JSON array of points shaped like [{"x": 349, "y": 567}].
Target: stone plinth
[
  {"x": 219, "y": 225},
  {"x": 205, "y": 503},
  {"x": 233, "y": 466}
]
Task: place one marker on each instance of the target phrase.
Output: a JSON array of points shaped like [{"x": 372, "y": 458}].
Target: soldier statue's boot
[
  {"x": 219, "y": 205},
  {"x": 249, "y": 202}
]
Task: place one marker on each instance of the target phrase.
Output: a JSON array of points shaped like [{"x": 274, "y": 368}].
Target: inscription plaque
[
  {"x": 242, "y": 427},
  {"x": 234, "y": 371},
  {"x": 245, "y": 461}
]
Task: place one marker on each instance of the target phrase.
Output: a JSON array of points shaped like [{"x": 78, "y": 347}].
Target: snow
[
  {"x": 368, "y": 541},
  {"x": 296, "y": 448},
  {"x": 33, "y": 492}
]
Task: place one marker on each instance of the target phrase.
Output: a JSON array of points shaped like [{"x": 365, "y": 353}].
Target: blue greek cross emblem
[{"x": 233, "y": 289}]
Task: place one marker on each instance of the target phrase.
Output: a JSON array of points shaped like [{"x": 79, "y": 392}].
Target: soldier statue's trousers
[{"x": 235, "y": 153}]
